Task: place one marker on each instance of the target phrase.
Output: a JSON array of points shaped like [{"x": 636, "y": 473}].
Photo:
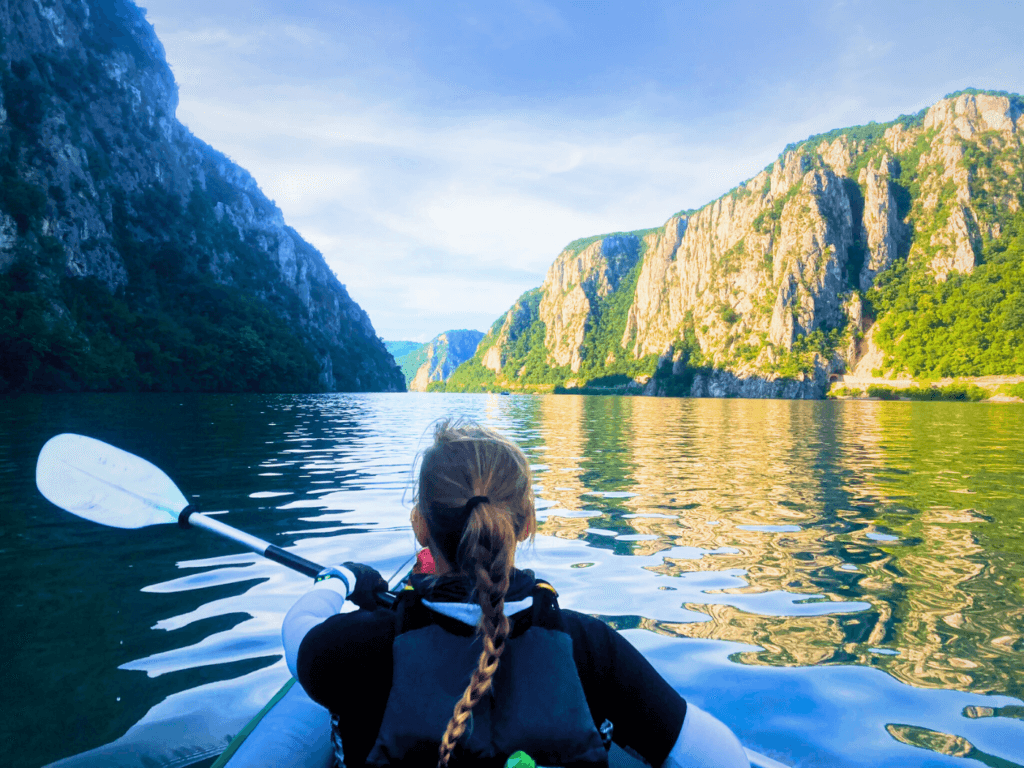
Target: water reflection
[
  {"x": 955, "y": 565},
  {"x": 820, "y": 533},
  {"x": 796, "y": 504},
  {"x": 785, "y": 557}
]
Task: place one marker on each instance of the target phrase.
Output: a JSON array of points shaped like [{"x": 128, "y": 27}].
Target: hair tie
[
  {"x": 448, "y": 523},
  {"x": 472, "y": 503}
]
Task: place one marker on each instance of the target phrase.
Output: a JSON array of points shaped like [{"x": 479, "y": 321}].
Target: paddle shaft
[{"x": 189, "y": 518}]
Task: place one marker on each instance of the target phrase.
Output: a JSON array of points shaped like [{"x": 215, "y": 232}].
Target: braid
[
  {"x": 492, "y": 584},
  {"x": 467, "y": 461}
]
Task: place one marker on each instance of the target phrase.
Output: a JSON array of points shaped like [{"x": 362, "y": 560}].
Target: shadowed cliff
[{"x": 135, "y": 256}]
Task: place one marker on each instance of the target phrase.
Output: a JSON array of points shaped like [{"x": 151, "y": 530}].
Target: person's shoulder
[
  {"x": 382, "y": 618},
  {"x": 355, "y": 627},
  {"x": 356, "y": 635},
  {"x": 584, "y": 620},
  {"x": 349, "y": 651},
  {"x": 586, "y": 629}
]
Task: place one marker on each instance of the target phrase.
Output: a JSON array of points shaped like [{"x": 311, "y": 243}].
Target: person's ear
[
  {"x": 529, "y": 529},
  {"x": 419, "y": 527}
]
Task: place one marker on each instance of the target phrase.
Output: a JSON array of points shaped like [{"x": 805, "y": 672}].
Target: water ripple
[{"x": 840, "y": 582}]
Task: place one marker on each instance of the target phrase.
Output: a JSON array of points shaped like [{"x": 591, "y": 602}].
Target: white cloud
[
  {"x": 438, "y": 203},
  {"x": 366, "y": 182},
  {"x": 220, "y": 38}
]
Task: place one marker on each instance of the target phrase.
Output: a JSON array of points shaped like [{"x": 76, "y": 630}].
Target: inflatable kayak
[
  {"x": 293, "y": 731},
  {"x": 103, "y": 484}
]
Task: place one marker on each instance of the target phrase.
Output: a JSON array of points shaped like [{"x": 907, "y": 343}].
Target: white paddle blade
[{"x": 99, "y": 482}]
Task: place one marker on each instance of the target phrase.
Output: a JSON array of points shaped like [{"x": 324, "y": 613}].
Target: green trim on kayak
[{"x": 243, "y": 734}]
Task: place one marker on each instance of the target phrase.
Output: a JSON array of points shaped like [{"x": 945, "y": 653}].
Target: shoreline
[{"x": 990, "y": 389}]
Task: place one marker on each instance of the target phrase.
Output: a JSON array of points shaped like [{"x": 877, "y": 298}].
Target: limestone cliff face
[
  {"x": 758, "y": 293},
  {"x": 100, "y": 175},
  {"x": 954, "y": 126},
  {"x": 764, "y": 263},
  {"x": 442, "y": 355},
  {"x": 881, "y": 229},
  {"x": 580, "y": 275}
]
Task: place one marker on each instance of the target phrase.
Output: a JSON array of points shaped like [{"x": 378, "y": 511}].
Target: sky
[{"x": 440, "y": 155}]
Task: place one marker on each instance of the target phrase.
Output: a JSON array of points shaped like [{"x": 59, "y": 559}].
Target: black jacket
[{"x": 346, "y": 664}]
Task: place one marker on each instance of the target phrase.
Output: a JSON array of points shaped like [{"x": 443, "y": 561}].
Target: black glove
[{"x": 368, "y": 584}]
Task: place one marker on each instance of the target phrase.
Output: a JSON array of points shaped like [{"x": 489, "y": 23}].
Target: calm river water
[{"x": 841, "y": 582}]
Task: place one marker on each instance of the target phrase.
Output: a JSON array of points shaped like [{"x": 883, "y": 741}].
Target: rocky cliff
[
  {"x": 133, "y": 255},
  {"x": 437, "y": 359},
  {"x": 775, "y": 287}
]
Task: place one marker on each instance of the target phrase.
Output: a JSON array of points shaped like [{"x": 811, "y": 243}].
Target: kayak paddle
[
  {"x": 101, "y": 483},
  {"x": 109, "y": 486}
]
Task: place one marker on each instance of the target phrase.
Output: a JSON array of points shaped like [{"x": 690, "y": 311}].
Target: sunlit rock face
[
  {"x": 954, "y": 126},
  {"x": 880, "y": 226},
  {"x": 88, "y": 127},
  {"x": 758, "y": 293},
  {"x": 574, "y": 282}
]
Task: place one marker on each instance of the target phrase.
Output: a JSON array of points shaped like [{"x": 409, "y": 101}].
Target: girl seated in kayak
[{"x": 477, "y": 662}]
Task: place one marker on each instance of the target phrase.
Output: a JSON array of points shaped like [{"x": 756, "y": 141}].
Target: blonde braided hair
[
  {"x": 468, "y": 460},
  {"x": 494, "y": 627}
]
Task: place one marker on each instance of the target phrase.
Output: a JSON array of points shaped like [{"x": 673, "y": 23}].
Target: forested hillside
[
  {"x": 898, "y": 241},
  {"x": 430, "y": 365},
  {"x": 410, "y": 357},
  {"x": 132, "y": 255}
]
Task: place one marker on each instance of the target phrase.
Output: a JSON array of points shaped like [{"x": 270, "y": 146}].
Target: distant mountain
[
  {"x": 409, "y": 355},
  {"x": 402, "y": 348},
  {"x": 434, "y": 361},
  {"x": 885, "y": 248},
  {"x": 133, "y": 256}
]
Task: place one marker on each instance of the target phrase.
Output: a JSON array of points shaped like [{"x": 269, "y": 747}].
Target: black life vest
[{"x": 536, "y": 702}]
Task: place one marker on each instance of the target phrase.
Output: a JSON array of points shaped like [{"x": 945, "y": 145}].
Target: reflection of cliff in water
[
  {"x": 560, "y": 422},
  {"x": 757, "y": 477},
  {"x": 951, "y": 493},
  {"x": 833, "y": 502}
]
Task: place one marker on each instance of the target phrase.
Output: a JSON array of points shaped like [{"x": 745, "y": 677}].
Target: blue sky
[{"x": 440, "y": 155}]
